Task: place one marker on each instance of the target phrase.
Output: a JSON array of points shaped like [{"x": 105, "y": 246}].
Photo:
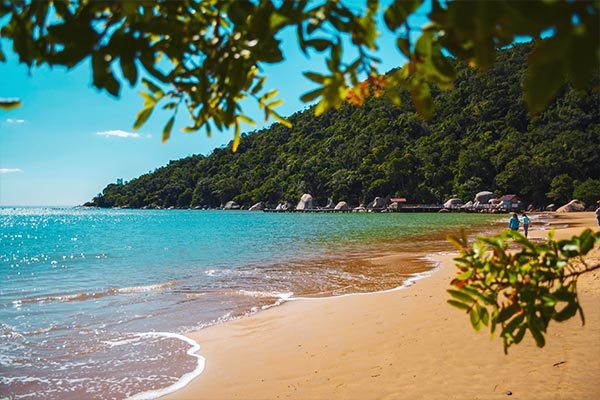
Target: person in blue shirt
[
  {"x": 513, "y": 223},
  {"x": 525, "y": 222}
]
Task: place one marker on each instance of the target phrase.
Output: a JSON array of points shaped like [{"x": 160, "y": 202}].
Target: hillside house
[{"x": 510, "y": 202}]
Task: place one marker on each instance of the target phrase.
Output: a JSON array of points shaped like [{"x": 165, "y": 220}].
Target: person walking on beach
[
  {"x": 525, "y": 222},
  {"x": 598, "y": 213},
  {"x": 513, "y": 222}
]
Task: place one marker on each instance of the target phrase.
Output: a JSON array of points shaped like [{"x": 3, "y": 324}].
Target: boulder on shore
[
  {"x": 378, "y": 203},
  {"x": 341, "y": 206},
  {"x": 454, "y": 202},
  {"x": 572, "y": 206},
  {"x": 257, "y": 207},
  {"x": 231, "y": 205},
  {"x": 484, "y": 197},
  {"x": 305, "y": 203}
]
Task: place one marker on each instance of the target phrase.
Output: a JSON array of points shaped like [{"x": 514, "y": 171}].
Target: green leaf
[
  {"x": 275, "y": 104},
  {"x": 520, "y": 334},
  {"x": 310, "y": 96},
  {"x": 246, "y": 119},
  {"x": 404, "y": 46},
  {"x": 423, "y": 101},
  {"x": 397, "y": 13},
  {"x": 319, "y": 44},
  {"x": 236, "y": 138},
  {"x": 394, "y": 97},
  {"x": 142, "y": 117},
  {"x": 462, "y": 296},
  {"x": 280, "y": 119},
  {"x": 465, "y": 275},
  {"x": 567, "y": 312},
  {"x": 459, "y": 305},
  {"x": 149, "y": 100},
  {"x": 513, "y": 324},
  {"x": 313, "y": 76},
  {"x": 167, "y": 129},
  {"x": 475, "y": 319},
  {"x": 129, "y": 70},
  {"x": 151, "y": 86},
  {"x": 8, "y": 104},
  {"x": 484, "y": 315},
  {"x": 257, "y": 88},
  {"x": 542, "y": 84},
  {"x": 538, "y": 336}
]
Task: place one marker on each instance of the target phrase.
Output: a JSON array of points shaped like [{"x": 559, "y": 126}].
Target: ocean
[{"x": 95, "y": 303}]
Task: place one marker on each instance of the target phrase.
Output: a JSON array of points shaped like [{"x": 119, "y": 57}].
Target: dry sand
[{"x": 402, "y": 344}]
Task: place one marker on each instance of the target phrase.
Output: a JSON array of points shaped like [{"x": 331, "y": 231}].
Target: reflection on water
[{"x": 85, "y": 292}]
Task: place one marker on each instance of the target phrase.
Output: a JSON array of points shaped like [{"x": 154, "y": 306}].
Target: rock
[
  {"x": 284, "y": 207},
  {"x": 305, "y": 203},
  {"x": 484, "y": 197},
  {"x": 572, "y": 206},
  {"x": 453, "y": 203},
  {"x": 378, "y": 203},
  {"x": 257, "y": 207},
  {"x": 341, "y": 206},
  {"x": 231, "y": 205}
]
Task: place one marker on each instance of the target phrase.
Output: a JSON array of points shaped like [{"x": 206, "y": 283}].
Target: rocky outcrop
[
  {"x": 572, "y": 206},
  {"x": 453, "y": 202},
  {"x": 257, "y": 207},
  {"x": 341, "y": 206},
  {"x": 231, "y": 205},
  {"x": 305, "y": 203},
  {"x": 484, "y": 197},
  {"x": 379, "y": 203}
]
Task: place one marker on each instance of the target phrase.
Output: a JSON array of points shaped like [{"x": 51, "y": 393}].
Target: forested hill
[{"x": 480, "y": 138}]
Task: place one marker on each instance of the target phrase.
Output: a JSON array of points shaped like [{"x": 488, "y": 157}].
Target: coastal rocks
[
  {"x": 305, "y": 203},
  {"x": 231, "y": 205},
  {"x": 572, "y": 206},
  {"x": 341, "y": 206},
  {"x": 453, "y": 202},
  {"x": 378, "y": 203},
  {"x": 484, "y": 197},
  {"x": 257, "y": 207}
]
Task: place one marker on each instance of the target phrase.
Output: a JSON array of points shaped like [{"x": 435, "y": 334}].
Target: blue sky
[{"x": 68, "y": 140}]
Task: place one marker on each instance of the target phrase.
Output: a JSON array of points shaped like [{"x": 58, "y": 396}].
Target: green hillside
[{"x": 481, "y": 138}]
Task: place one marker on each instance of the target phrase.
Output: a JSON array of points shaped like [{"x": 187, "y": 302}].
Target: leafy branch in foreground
[
  {"x": 207, "y": 58},
  {"x": 521, "y": 289}
]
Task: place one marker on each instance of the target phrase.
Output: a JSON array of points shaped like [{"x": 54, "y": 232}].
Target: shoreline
[{"x": 400, "y": 343}]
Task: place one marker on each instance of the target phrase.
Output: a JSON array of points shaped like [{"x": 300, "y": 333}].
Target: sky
[{"x": 68, "y": 140}]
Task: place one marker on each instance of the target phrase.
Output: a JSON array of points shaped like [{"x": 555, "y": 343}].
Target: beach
[{"x": 400, "y": 344}]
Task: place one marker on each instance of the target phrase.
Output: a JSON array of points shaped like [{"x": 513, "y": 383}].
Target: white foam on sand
[{"x": 185, "y": 379}]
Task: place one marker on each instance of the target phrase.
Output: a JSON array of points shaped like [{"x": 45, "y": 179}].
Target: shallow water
[{"x": 93, "y": 302}]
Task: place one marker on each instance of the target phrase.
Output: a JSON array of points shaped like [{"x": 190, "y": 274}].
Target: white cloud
[
  {"x": 119, "y": 133},
  {"x": 15, "y": 121},
  {"x": 9, "y": 170}
]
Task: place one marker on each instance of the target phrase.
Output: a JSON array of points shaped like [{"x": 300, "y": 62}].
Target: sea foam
[{"x": 185, "y": 379}]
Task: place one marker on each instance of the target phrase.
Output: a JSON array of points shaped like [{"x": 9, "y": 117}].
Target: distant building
[{"x": 510, "y": 202}]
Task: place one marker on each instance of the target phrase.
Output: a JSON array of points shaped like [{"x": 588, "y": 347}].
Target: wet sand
[{"x": 401, "y": 344}]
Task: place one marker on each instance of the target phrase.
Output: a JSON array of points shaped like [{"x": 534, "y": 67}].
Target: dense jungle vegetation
[{"x": 480, "y": 138}]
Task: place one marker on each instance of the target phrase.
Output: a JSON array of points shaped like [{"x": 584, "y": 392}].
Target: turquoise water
[{"x": 93, "y": 302}]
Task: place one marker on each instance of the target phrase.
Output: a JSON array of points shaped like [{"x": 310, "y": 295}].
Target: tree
[
  {"x": 588, "y": 191},
  {"x": 205, "y": 57},
  {"x": 561, "y": 188}
]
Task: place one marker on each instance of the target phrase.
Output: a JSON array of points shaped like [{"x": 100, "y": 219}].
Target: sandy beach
[{"x": 401, "y": 344}]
